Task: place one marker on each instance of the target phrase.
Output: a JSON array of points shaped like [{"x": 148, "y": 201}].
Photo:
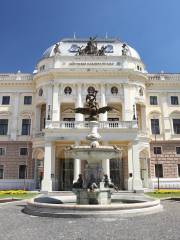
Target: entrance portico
[{"x": 58, "y": 168}]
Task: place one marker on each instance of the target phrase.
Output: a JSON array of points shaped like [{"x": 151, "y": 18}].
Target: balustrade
[{"x": 86, "y": 124}]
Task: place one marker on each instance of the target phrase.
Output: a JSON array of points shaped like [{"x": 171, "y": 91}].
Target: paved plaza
[{"x": 15, "y": 225}]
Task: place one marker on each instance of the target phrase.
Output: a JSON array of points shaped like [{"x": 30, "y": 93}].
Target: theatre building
[{"x": 37, "y": 118}]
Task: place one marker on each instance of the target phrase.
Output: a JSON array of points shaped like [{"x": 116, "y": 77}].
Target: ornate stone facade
[{"x": 37, "y": 118}]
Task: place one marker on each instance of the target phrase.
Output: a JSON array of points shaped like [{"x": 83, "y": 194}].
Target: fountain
[{"x": 93, "y": 189}]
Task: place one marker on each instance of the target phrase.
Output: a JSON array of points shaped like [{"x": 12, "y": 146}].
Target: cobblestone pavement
[{"x": 15, "y": 225}]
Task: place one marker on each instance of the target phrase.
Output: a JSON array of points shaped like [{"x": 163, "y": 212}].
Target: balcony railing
[{"x": 86, "y": 124}]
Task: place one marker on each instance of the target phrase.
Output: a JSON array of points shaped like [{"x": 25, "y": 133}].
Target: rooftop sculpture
[{"x": 91, "y": 48}]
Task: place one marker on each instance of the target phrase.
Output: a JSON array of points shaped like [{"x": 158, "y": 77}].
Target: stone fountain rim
[{"x": 107, "y": 207}]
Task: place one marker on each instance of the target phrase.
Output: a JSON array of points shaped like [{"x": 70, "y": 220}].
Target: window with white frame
[
  {"x": 26, "y": 126},
  {"x": 2, "y": 151},
  {"x": 1, "y": 171},
  {"x": 155, "y": 126},
  {"x": 27, "y": 100},
  {"x": 5, "y": 100},
  {"x": 157, "y": 150},
  {"x": 177, "y": 150},
  {"x": 3, "y": 126},
  {"x": 23, "y": 151},
  {"x": 176, "y": 126},
  {"x": 153, "y": 100},
  {"x": 174, "y": 100}
]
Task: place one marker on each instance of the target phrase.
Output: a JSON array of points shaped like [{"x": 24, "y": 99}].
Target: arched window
[
  {"x": 114, "y": 90},
  {"x": 91, "y": 89},
  {"x": 68, "y": 90},
  {"x": 40, "y": 93}
]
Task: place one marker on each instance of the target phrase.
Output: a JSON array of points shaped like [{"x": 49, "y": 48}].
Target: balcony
[{"x": 86, "y": 124}]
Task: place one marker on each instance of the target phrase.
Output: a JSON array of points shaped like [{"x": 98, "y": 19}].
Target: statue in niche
[
  {"x": 125, "y": 49},
  {"x": 56, "y": 48},
  {"x": 92, "y": 107}
]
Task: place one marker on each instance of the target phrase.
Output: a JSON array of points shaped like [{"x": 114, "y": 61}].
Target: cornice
[{"x": 89, "y": 74}]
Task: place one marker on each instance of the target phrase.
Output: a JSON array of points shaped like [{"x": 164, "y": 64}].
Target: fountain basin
[
  {"x": 119, "y": 207},
  {"x": 93, "y": 155}
]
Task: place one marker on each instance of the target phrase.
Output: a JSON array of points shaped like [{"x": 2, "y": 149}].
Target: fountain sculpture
[{"x": 94, "y": 190}]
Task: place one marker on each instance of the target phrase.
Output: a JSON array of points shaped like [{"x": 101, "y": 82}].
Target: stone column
[
  {"x": 77, "y": 169},
  {"x": 49, "y": 102},
  {"x": 130, "y": 168},
  {"x": 129, "y": 101},
  {"x": 166, "y": 126},
  {"x": 49, "y": 167},
  {"x": 143, "y": 118},
  {"x": 78, "y": 116},
  {"x": 37, "y": 118},
  {"x": 56, "y": 103},
  {"x": 106, "y": 167},
  {"x": 103, "y": 116},
  {"x": 137, "y": 182}
]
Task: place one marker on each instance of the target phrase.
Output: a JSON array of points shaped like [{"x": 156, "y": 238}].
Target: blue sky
[{"x": 28, "y": 27}]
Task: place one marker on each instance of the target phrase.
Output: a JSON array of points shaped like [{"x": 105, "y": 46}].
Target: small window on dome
[
  {"x": 141, "y": 93},
  {"x": 68, "y": 90},
  {"x": 40, "y": 93},
  {"x": 91, "y": 90},
  {"x": 114, "y": 90},
  {"x": 42, "y": 68}
]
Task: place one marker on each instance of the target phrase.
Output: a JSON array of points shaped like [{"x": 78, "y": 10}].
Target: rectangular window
[
  {"x": 155, "y": 126},
  {"x": 174, "y": 100},
  {"x": 23, "y": 151},
  {"x": 177, "y": 150},
  {"x": 22, "y": 171},
  {"x": 2, "y": 151},
  {"x": 27, "y": 100},
  {"x": 153, "y": 100},
  {"x": 5, "y": 100},
  {"x": 159, "y": 170},
  {"x": 3, "y": 126},
  {"x": 178, "y": 170},
  {"x": 1, "y": 171},
  {"x": 157, "y": 150},
  {"x": 26, "y": 126},
  {"x": 176, "y": 126}
]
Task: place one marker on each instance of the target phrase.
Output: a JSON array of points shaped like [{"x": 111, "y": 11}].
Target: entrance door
[
  {"x": 67, "y": 174},
  {"x": 116, "y": 172}
]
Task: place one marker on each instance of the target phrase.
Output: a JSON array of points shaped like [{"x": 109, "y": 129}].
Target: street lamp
[{"x": 26, "y": 163}]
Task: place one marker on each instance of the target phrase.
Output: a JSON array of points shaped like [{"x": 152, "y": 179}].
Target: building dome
[{"x": 70, "y": 46}]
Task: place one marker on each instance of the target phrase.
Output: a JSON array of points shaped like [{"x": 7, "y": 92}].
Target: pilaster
[
  {"x": 78, "y": 116},
  {"x": 56, "y": 103},
  {"x": 49, "y": 167},
  {"x": 103, "y": 116}
]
